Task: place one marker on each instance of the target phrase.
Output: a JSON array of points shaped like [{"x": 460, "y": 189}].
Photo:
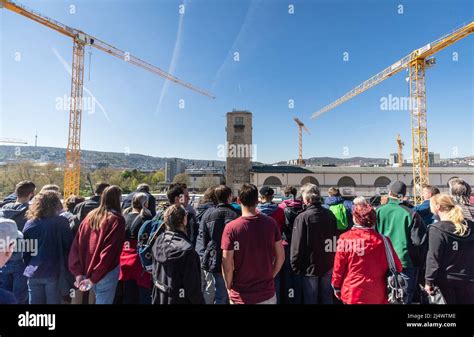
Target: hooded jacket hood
[
  {"x": 295, "y": 203},
  {"x": 171, "y": 246},
  {"x": 267, "y": 208},
  {"x": 15, "y": 212},
  {"x": 333, "y": 200},
  {"x": 447, "y": 227}
]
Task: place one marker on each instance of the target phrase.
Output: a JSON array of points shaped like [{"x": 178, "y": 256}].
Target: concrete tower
[{"x": 239, "y": 149}]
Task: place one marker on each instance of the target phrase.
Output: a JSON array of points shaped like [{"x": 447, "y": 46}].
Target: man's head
[
  {"x": 334, "y": 192},
  {"x": 100, "y": 187},
  {"x": 72, "y": 201},
  {"x": 223, "y": 194},
  {"x": 429, "y": 191},
  {"x": 398, "y": 189},
  {"x": 143, "y": 188},
  {"x": 290, "y": 191},
  {"x": 25, "y": 191},
  {"x": 248, "y": 195},
  {"x": 266, "y": 194},
  {"x": 310, "y": 194},
  {"x": 8, "y": 236},
  {"x": 178, "y": 194}
]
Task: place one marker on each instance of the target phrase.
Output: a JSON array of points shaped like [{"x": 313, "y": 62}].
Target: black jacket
[
  {"x": 127, "y": 202},
  {"x": 81, "y": 210},
  {"x": 208, "y": 243},
  {"x": 176, "y": 270},
  {"x": 450, "y": 256},
  {"x": 313, "y": 229}
]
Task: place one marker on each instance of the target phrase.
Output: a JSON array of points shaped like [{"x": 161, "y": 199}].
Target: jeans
[
  {"x": 411, "y": 274},
  {"x": 214, "y": 289},
  {"x": 290, "y": 284},
  {"x": 13, "y": 280},
  {"x": 105, "y": 288},
  {"x": 318, "y": 289},
  {"x": 222, "y": 296},
  {"x": 44, "y": 290}
]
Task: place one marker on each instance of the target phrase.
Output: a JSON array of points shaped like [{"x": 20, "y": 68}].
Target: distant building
[
  {"x": 201, "y": 179},
  {"x": 393, "y": 159},
  {"x": 173, "y": 167},
  {"x": 352, "y": 181},
  {"x": 239, "y": 149},
  {"x": 434, "y": 158}
]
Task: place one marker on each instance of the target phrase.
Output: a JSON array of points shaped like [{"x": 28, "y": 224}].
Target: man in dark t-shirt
[{"x": 252, "y": 253}]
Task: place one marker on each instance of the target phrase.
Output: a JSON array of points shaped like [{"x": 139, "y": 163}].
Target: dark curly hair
[{"x": 45, "y": 205}]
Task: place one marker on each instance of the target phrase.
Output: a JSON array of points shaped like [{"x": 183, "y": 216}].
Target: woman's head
[
  {"x": 443, "y": 205},
  {"x": 364, "y": 214},
  {"x": 72, "y": 201},
  {"x": 209, "y": 196},
  {"x": 460, "y": 191},
  {"x": 45, "y": 205},
  {"x": 110, "y": 201},
  {"x": 175, "y": 218},
  {"x": 140, "y": 201}
]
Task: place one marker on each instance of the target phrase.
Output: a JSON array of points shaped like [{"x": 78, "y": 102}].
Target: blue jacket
[
  {"x": 52, "y": 235},
  {"x": 329, "y": 201},
  {"x": 425, "y": 212}
]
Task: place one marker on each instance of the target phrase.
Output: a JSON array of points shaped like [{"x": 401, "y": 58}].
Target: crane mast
[
  {"x": 416, "y": 62},
  {"x": 72, "y": 169}
]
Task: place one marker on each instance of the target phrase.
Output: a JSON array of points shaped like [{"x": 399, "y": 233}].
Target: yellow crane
[
  {"x": 72, "y": 170},
  {"x": 301, "y": 127},
  {"x": 400, "y": 145},
  {"x": 416, "y": 62}
]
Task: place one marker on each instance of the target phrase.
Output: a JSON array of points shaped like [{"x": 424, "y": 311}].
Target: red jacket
[
  {"x": 360, "y": 267},
  {"x": 94, "y": 253}
]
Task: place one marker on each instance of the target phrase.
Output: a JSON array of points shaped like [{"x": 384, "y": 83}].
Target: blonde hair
[{"x": 454, "y": 212}]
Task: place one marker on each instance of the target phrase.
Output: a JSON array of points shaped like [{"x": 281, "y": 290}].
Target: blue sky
[{"x": 282, "y": 57}]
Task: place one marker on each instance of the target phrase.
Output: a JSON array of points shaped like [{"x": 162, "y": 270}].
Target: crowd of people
[{"x": 245, "y": 250}]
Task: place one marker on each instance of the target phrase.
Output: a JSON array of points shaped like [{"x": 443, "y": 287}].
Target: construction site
[
  {"x": 236, "y": 152},
  {"x": 415, "y": 64}
]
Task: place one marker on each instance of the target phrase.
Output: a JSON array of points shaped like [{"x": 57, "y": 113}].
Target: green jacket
[{"x": 406, "y": 230}]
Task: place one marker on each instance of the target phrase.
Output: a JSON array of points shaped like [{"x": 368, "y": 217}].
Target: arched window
[
  {"x": 272, "y": 181},
  {"x": 346, "y": 182},
  {"x": 382, "y": 182},
  {"x": 309, "y": 179}
]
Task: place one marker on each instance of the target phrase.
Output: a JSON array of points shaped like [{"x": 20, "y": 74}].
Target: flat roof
[{"x": 349, "y": 169}]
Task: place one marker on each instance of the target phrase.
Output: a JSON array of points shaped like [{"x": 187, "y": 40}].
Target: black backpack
[{"x": 290, "y": 215}]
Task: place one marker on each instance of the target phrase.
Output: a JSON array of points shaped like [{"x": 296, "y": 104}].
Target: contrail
[
  {"x": 67, "y": 67},
  {"x": 243, "y": 30},
  {"x": 174, "y": 58}
]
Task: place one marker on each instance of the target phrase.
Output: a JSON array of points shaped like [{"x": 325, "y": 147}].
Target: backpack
[
  {"x": 340, "y": 212},
  {"x": 147, "y": 235},
  {"x": 290, "y": 215}
]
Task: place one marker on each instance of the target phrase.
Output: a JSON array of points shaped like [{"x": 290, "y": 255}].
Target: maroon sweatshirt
[{"x": 96, "y": 252}]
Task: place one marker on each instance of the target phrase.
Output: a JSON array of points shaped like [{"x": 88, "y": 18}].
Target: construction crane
[
  {"x": 400, "y": 145},
  {"x": 12, "y": 141},
  {"x": 416, "y": 62},
  {"x": 301, "y": 127},
  {"x": 72, "y": 171}
]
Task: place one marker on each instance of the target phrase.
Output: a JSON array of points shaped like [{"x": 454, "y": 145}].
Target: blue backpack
[{"x": 147, "y": 235}]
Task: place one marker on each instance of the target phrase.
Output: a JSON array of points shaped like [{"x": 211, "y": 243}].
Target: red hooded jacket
[{"x": 360, "y": 267}]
